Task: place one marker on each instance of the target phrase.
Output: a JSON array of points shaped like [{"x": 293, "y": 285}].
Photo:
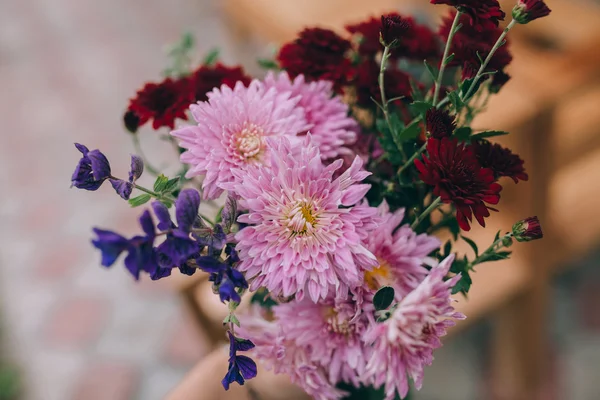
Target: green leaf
[
  {"x": 417, "y": 93},
  {"x": 171, "y": 185},
  {"x": 266, "y": 63},
  {"x": 487, "y": 134},
  {"x": 464, "y": 284},
  {"x": 472, "y": 244},
  {"x": 211, "y": 57},
  {"x": 160, "y": 183},
  {"x": 501, "y": 255},
  {"x": 463, "y": 133},
  {"x": 447, "y": 248},
  {"x": 388, "y": 143},
  {"x": 421, "y": 107},
  {"x": 497, "y": 236},
  {"x": 432, "y": 71},
  {"x": 456, "y": 101},
  {"x": 139, "y": 200},
  {"x": 383, "y": 298},
  {"x": 449, "y": 59},
  {"x": 409, "y": 133}
]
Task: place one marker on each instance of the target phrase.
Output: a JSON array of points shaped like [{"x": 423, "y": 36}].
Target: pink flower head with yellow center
[
  {"x": 326, "y": 115},
  {"x": 233, "y": 126},
  {"x": 403, "y": 345},
  {"x": 283, "y": 355},
  {"x": 333, "y": 330},
  {"x": 305, "y": 229},
  {"x": 402, "y": 254}
]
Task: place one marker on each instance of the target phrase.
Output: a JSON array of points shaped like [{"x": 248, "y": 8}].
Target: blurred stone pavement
[{"x": 77, "y": 330}]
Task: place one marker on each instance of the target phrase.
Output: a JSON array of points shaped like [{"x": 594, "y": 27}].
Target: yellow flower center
[
  {"x": 302, "y": 218},
  {"x": 249, "y": 142},
  {"x": 379, "y": 275}
]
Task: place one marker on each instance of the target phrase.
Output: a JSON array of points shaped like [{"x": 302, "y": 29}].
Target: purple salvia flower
[
  {"x": 240, "y": 368},
  {"x": 122, "y": 188},
  {"x": 186, "y": 209},
  {"x": 141, "y": 254},
  {"x": 92, "y": 169},
  {"x": 137, "y": 168}
]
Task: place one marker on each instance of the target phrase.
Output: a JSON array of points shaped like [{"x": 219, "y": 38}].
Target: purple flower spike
[{"x": 91, "y": 171}]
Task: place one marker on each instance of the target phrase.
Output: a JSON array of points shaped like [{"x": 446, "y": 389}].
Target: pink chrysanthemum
[
  {"x": 401, "y": 253},
  {"x": 333, "y": 330},
  {"x": 276, "y": 352},
  {"x": 304, "y": 234},
  {"x": 403, "y": 345},
  {"x": 232, "y": 129},
  {"x": 327, "y": 116}
]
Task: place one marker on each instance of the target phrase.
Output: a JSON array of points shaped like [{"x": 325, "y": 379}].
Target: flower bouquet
[{"x": 335, "y": 173}]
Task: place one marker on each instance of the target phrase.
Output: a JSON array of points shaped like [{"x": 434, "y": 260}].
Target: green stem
[
  {"x": 438, "y": 82},
  {"x": 492, "y": 249},
  {"x": 138, "y": 149},
  {"x": 487, "y": 60},
  {"x": 384, "y": 102},
  {"x": 434, "y": 204},
  {"x": 412, "y": 158}
]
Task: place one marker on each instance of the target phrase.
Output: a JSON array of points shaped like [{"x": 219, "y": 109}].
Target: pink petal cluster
[
  {"x": 401, "y": 253},
  {"x": 232, "y": 131},
  {"x": 326, "y": 115},
  {"x": 403, "y": 345},
  {"x": 304, "y": 234},
  {"x": 283, "y": 355},
  {"x": 333, "y": 330}
]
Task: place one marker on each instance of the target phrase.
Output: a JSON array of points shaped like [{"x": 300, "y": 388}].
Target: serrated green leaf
[
  {"x": 139, "y": 200},
  {"x": 472, "y": 244},
  {"x": 463, "y": 133},
  {"x": 266, "y": 63},
  {"x": 171, "y": 185},
  {"x": 487, "y": 134},
  {"x": 160, "y": 183},
  {"x": 464, "y": 284},
  {"x": 211, "y": 57},
  {"x": 421, "y": 107},
  {"x": 383, "y": 298}
]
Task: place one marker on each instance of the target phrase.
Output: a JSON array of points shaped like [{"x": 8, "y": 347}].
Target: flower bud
[
  {"x": 527, "y": 230},
  {"x": 528, "y": 10},
  {"x": 392, "y": 29}
]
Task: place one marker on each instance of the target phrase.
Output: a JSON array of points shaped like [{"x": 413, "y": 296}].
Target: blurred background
[{"x": 71, "y": 330}]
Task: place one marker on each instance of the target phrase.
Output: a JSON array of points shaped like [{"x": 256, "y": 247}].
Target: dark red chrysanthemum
[
  {"x": 397, "y": 84},
  {"x": 483, "y": 14},
  {"x": 317, "y": 54},
  {"x": 469, "y": 42},
  {"x": 439, "y": 123},
  {"x": 528, "y": 10},
  {"x": 417, "y": 43},
  {"x": 500, "y": 160},
  {"x": 454, "y": 172},
  {"x": 205, "y": 78},
  {"x": 393, "y": 29},
  {"x": 162, "y": 102},
  {"x": 528, "y": 229},
  {"x": 499, "y": 79}
]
